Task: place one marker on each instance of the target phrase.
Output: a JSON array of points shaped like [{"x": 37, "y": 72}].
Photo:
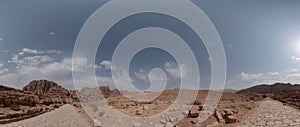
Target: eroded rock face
[
  {"x": 36, "y": 98},
  {"x": 11, "y": 96},
  {"x": 105, "y": 91},
  {"x": 219, "y": 116},
  {"x": 96, "y": 94},
  {"x": 289, "y": 97}
]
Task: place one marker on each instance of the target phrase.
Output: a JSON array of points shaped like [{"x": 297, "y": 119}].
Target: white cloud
[
  {"x": 293, "y": 78},
  {"x": 21, "y": 53},
  {"x": 168, "y": 64},
  {"x": 53, "y": 51},
  {"x": 31, "y": 51},
  {"x": 11, "y": 79},
  {"x": 4, "y": 51},
  {"x": 3, "y": 70},
  {"x": 107, "y": 65},
  {"x": 42, "y": 67},
  {"x": 245, "y": 80},
  {"x": 14, "y": 59},
  {"x": 175, "y": 71},
  {"x": 30, "y": 60},
  {"x": 291, "y": 70},
  {"x": 295, "y": 58},
  {"x": 34, "y": 57},
  {"x": 141, "y": 75},
  {"x": 52, "y": 33},
  {"x": 248, "y": 76},
  {"x": 158, "y": 80},
  {"x": 1, "y": 39},
  {"x": 273, "y": 73},
  {"x": 35, "y": 51}
]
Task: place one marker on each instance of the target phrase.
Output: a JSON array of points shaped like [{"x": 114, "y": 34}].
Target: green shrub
[
  {"x": 15, "y": 107},
  {"x": 55, "y": 106},
  {"x": 64, "y": 101},
  {"x": 196, "y": 102}
]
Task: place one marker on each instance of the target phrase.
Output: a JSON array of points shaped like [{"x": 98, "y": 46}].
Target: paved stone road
[{"x": 273, "y": 114}]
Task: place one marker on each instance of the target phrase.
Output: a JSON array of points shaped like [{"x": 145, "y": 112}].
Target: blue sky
[{"x": 261, "y": 41}]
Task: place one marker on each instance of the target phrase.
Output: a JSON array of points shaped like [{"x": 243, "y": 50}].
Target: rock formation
[
  {"x": 289, "y": 97},
  {"x": 10, "y": 96},
  {"x": 46, "y": 88},
  {"x": 37, "y": 97}
]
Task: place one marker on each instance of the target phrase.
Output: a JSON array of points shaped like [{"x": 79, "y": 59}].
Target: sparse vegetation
[
  {"x": 15, "y": 107},
  {"x": 196, "y": 102},
  {"x": 64, "y": 101},
  {"x": 55, "y": 106},
  {"x": 265, "y": 96}
]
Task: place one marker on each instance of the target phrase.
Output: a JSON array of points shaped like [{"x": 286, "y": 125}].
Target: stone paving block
[{"x": 274, "y": 114}]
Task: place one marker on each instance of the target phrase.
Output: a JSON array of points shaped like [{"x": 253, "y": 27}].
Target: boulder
[
  {"x": 230, "y": 119},
  {"x": 138, "y": 112},
  {"x": 228, "y": 112},
  {"x": 219, "y": 116},
  {"x": 145, "y": 107}
]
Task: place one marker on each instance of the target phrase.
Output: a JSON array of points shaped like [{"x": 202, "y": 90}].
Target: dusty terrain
[
  {"x": 232, "y": 109},
  {"x": 46, "y": 104},
  {"x": 65, "y": 116}
]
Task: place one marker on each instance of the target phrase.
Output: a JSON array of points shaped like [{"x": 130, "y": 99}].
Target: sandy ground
[{"x": 65, "y": 116}]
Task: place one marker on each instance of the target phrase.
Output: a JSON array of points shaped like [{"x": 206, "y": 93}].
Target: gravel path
[
  {"x": 65, "y": 116},
  {"x": 273, "y": 114}
]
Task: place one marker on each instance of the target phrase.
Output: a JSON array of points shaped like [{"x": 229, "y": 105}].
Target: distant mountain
[
  {"x": 270, "y": 89},
  {"x": 229, "y": 90}
]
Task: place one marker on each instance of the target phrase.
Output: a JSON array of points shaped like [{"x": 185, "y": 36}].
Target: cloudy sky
[{"x": 261, "y": 40}]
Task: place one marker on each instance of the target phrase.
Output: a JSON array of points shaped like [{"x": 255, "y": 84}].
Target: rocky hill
[
  {"x": 10, "y": 96},
  {"x": 270, "y": 89},
  {"x": 46, "y": 88},
  {"x": 37, "y": 97},
  {"x": 93, "y": 94},
  {"x": 17, "y": 105}
]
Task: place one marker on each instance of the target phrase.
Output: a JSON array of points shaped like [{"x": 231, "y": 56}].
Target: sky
[{"x": 261, "y": 41}]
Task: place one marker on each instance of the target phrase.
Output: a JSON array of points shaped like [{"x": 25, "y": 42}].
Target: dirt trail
[
  {"x": 65, "y": 116},
  {"x": 273, "y": 114}
]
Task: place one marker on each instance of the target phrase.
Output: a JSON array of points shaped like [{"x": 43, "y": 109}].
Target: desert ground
[
  {"x": 65, "y": 116},
  {"x": 46, "y": 104}
]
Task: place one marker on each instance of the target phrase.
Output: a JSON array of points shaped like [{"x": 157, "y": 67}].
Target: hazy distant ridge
[{"x": 271, "y": 89}]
